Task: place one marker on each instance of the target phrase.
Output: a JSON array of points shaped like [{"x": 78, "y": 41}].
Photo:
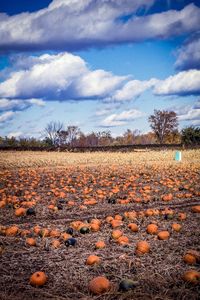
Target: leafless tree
[
  {"x": 52, "y": 131},
  {"x": 163, "y": 123}
]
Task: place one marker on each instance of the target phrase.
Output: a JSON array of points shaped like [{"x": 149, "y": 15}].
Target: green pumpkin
[
  {"x": 127, "y": 284},
  {"x": 84, "y": 230}
]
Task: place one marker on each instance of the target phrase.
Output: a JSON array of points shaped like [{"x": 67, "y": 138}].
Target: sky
[{"x": 97, "y": 64}]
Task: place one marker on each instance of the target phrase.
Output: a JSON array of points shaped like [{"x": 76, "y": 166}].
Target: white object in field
[{"x": 178, "y": 156}]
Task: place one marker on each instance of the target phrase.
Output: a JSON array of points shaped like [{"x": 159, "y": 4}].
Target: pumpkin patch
[{"x": 114, "y": 225}]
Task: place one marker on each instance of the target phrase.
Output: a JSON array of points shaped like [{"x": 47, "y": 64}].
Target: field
[{"x": 103, "y": 193}]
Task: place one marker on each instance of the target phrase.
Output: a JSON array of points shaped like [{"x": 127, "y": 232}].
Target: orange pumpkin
[
  {"x": 116, "y": 234},
  {"x": 176, "y": 227},
  {"x": 20, "y": 212},
  {"x": 38, "y": 278},
  {"x": 94, "y": 227},
  {"x": 99, "y": 285},
  {"x": 109, "y": 219},
  {"x": 152, "y": 229},
  {"x": 36, "y": 229},
  {"x": 54, "y": 233},
  {"x": 196, "y": 209},
  {"x": 191, "y": 276},
  {"x": 142, "y": 247},
  {"x": 11, "y": 231},
  {"x": 133, "y": 227},
  {"x": 182, "y": 216},
  {"x": 163, "y": 235},
  {"x": 100, "y": 245},
  {"x": 123, "y": 240},
  {"x": 92, "y": 259},
  {"x": 116, "y": 223},
  {"x": 95, "y": 221},
  {"x": 189, "y": 259},
  {"x": 31, "y": 241}
]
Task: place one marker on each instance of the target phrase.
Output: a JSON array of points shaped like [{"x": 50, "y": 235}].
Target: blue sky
[{"x": 100, "y": 65}]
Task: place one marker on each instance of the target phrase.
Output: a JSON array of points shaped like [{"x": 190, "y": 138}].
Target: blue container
[{"x": 178, "y": 156}]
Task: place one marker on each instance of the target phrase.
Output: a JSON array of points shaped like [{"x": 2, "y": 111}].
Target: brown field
[{"x": 142, "y": 187}]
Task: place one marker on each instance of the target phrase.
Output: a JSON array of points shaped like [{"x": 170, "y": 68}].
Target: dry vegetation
[
  {"x": 17, "y": 159},
  {"x": 139, "y": 187}
]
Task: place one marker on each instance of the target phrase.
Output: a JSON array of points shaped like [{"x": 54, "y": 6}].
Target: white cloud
[
  {"x": 75, "y": 24},
  {"x": 122, "y": 118},
  {"x": 64, "y": 77},
  {"x": 58, "y": 77},
  {"x": 192, "y": 114},
  {"x": 7, "y": 104},
  {"x": 133, "y": 89},
  {"x": 189, "y": 54},
  {"x": 7, "y": 116},
  {"x": 183, "y": 83}
]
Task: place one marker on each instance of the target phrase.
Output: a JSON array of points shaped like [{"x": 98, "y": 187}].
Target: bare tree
[
  {"x": 72, "y": 134},
  {"x": 52, "y": 131},
  {"x": 163, "y": 124}
]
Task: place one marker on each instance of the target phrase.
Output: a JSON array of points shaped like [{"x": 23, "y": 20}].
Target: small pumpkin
[
  {"x": 99, "y": 285},
  {"x": 38, "y": 278},
  {"x": 176, "y": 227},
  {"x": 189, "y": 259},
  {"x": 70, "y": 242},
  {"x": 94, "y": 227},
  {"x": 163, "y": 235},
  {"x": 30, "y": 211},
  {"x": 142, "y": 247},
  {"x": 118, "y": 217},
  {"x": 182, "y": 216},
  {"x": 133, "y": 227},
  {"x": 100, "y": 245},
  {"x": 123, "y": 240},
  {"x": 109, "y": 219},
  {"x": 191, "y": 276},
  {"x": 116, "y": 223},
  {"x": 36, "y": 229},
  {"x": 127, "y": 284},
  {"x": 152, "y": 229},
  {"x": 92, "y": 260},
  {"x": 11, "y": 231},
  {"x": 196, "y": 209},
  {"x": 31, "y": 241},
  {"x": 20, "y": 212},
  {"x": 116, "y": 234},
  {"x": 95, "y": 221},
  {"x": 84, "y": 230},
  {"x": 70, "y": 230},
  {"x": 54, "y": 233}
]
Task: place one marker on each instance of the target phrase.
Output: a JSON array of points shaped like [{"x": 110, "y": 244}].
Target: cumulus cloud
[
  {"x": 183, "y": 84},
  {"x": 133, "y": 89},
  {"x": 16, "y": 105},
  {"x": 188, "y": 56},
  {"x": 192, "y": 114},
  {"x": 122, "y": 118},
  {"x": 58, "y": 77},
  {"x": 189, "y": 112},
  {"x": 7, "y": 116},
  {"x": 65, "y": 77},
  {"x": 75, "y": 24}
]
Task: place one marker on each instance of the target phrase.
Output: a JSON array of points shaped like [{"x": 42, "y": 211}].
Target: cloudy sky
[{"x": 97, "y": 64}]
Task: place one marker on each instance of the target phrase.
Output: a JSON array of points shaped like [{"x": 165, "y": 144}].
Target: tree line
[{"x": 164, "y": 125}]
